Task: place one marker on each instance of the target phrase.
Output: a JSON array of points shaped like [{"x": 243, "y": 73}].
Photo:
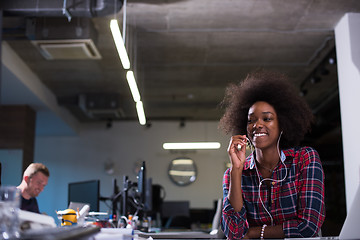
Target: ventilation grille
[{"x": 67, "y": 49}]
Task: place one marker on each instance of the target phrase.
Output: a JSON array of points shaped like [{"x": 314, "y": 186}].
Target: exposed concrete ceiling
[{"x": 183, "y": 52}]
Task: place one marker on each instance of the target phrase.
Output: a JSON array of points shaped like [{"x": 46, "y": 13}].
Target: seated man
[{"x": 34, "y": 180}]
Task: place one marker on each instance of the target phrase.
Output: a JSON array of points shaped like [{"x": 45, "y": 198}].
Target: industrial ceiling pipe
[{"x": 55, "y": 8}]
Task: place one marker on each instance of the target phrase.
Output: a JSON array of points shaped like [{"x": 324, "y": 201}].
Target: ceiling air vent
[{"x": 69, "y": 49}]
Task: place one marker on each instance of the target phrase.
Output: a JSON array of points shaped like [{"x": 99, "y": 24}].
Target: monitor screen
[
  {"x": 141, "y": 184},
  {"x": 148, "y": 202},
  {"x": 85, "y": 192},
  {"x": 175, "y": 208},
  {"x": 144, "y": 189}
]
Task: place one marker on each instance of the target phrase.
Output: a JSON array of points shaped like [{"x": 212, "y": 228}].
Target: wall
[
  {"x": 82, "y": 157},
  {"x": 11, "y": 163}
]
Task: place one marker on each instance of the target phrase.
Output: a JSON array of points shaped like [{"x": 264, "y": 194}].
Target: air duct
[
  {"x": 101, "y": 106},
  {"x": 57, "y": 39},
  {"x": 55, "y": 8}
]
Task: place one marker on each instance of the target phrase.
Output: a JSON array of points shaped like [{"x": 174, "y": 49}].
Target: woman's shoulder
[
  {"x": 299, "y": 150},
  {"x": 303, "y": 154}
]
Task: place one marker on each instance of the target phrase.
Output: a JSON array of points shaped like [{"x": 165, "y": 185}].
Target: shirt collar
[{"x": 252, "y": 159}]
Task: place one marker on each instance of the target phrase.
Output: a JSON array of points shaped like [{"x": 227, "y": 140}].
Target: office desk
[{"x": 177, "y": 235}]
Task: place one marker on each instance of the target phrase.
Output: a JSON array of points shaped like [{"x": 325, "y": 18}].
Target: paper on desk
[{"x": 114, "y": 234}]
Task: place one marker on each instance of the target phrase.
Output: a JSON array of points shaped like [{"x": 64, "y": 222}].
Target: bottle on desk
[
  {"x": 145, "y": 225},
  {"x": 131, "y": 222}
]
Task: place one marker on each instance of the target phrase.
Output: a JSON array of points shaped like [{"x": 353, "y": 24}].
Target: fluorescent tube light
[
  {"x": 140, "y": 112},
  {"x": 133, "y": 86},
  {"x": 119, "y": 43},
  {"x": 192, "y": 145}
]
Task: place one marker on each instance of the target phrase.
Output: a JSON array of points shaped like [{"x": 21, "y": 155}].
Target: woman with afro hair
[{"x": 278, "y": 190}]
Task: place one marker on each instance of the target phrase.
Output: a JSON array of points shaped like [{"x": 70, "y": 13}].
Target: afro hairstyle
[{"x": 295, "y": 116}]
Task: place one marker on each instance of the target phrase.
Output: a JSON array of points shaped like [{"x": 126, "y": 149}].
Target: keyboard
[{"x": 61, "y": 233}]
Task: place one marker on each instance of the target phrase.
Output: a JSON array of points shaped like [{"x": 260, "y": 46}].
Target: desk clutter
[
  {"x": 137, "y": 211},
  {"x": 71, "y": 217},
  {"x": 43, "y": 227},
  {"x": 82, "y": 224},
  {"x": 34, "y": 226}
]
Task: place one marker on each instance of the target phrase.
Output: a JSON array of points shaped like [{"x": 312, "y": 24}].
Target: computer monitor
[
  {"x": 175, "y": 208},
  {"x": 176, "y": 214},
  {"x": 141, "y": 199},
  {"x": 85, "y": 192},
  {"x": 115, "y": 197},
  {"x": 148, "y": 202},
  {"x": 141, "y": 183},
  {"x": 144, "y": 189}
]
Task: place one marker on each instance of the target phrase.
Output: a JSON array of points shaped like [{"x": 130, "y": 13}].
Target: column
[{"x": 347, "y": 38}]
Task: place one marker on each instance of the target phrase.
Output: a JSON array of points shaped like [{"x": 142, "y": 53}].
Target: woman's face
[{"x": 263, "y": 125}]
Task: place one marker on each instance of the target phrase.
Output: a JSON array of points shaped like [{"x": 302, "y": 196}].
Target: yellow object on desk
[{"x": 69, "y": 217}]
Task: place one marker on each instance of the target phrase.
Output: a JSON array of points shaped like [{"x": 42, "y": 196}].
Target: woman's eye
[{"x": 267, "y": 119}]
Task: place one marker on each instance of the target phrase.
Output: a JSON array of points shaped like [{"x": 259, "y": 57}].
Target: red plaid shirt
[{"x": 297, "y": 202}]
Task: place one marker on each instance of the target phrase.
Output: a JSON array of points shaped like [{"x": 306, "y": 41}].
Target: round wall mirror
[{"x": 182, "y": 171}]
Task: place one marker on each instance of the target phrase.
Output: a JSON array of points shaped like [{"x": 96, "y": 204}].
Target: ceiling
[{"x": 183, "y": 52}]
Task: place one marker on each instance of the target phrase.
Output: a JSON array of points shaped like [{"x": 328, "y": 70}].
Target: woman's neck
[{"x": 267, "y": 158}]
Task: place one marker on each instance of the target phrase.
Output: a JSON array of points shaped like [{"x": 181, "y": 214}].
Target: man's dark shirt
[{"x": 29, "y": 205}]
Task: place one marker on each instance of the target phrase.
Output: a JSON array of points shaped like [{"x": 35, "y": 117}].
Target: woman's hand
[{"x": 236, "y": 151}]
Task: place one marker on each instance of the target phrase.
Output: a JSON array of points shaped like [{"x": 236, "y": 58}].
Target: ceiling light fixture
[
  {"x": 133, "y": 86},
  {"x": 120, "y": 46},
  {"x": 136, "y": 96},
  {"x": 141, "y": 112},
  {"x": 192, "y": 145},
  {"x": 332, "y": 60},
  {"x": 119, "y": 43}
]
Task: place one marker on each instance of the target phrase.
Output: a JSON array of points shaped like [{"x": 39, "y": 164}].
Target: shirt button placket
[{"x": 272, "y": 194}]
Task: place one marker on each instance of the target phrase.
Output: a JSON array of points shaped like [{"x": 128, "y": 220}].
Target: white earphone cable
[{"x": 269, "y": 179}]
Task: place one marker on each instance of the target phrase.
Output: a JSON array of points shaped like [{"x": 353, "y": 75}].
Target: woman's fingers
[
  {"x": 238, "y": 143},
  {"x": 236, "y": 150}
]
